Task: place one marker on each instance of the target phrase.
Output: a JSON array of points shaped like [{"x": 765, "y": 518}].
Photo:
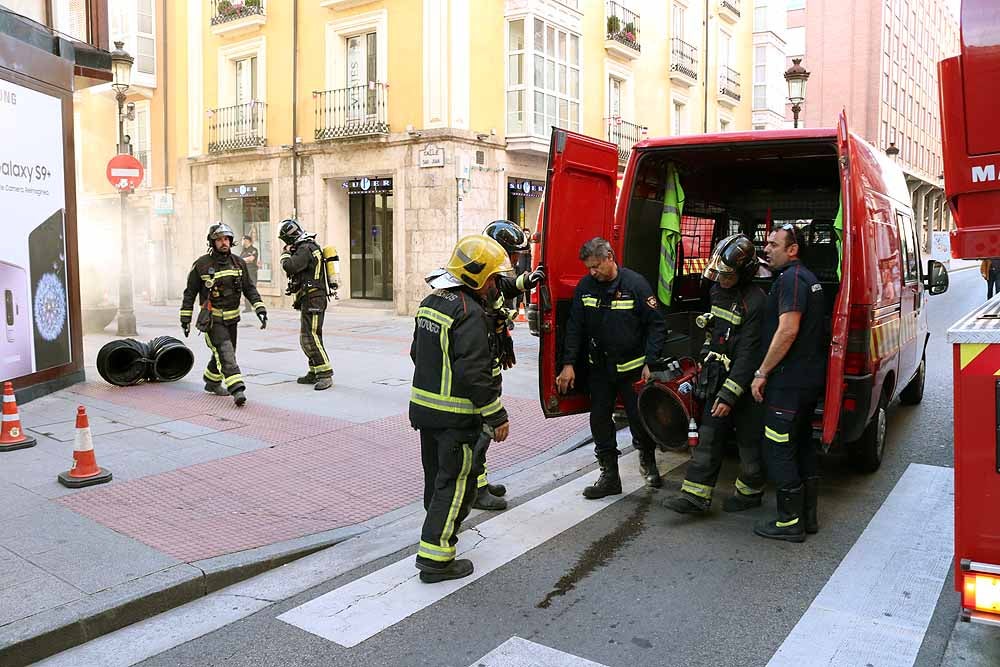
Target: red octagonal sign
[{"x": 125, "y": 172}]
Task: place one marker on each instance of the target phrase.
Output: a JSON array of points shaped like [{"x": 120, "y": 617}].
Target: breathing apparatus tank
[{"x": 331, "y": 262}]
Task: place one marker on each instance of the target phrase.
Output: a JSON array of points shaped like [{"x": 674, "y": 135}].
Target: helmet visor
[{"x": 716, "y": 267}]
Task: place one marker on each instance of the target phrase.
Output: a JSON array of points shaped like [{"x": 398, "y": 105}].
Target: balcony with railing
[
  {"x": 622, "y": 37},
  {"x": 356, "y": 111},
  {"x": 625, "y": 135},
  {"x": 729, "y": 10},
  {"x": 683, "y": 62},
  {"x": 230, "y": 17},
  {"x": 729, "y": 86},
  {"x": 239, "y": 127}
]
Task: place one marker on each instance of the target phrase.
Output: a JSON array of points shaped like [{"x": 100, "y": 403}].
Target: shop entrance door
[{"x": 371, "y": 246}]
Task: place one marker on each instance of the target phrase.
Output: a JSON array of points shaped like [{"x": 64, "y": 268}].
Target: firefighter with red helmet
[
  {"x": 732, "y": 351},
  {"x": 220, "y": 279}
]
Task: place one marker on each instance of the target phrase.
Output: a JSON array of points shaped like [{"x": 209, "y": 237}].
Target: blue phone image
[{"x": 49, "y": 297}]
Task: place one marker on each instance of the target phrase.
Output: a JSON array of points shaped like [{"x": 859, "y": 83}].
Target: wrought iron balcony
[
  {"x": 224, "y": 11},
  {"x": 729, "y": 9},
  {"x": 237, "y": 127},
  {"x": 356, "y": 111},
  {"x": 683, "y": 58},
  {"x": 623, "y": 25},
  {"x": 625, "y": 135},
  {"x": 729, "y": 83}
]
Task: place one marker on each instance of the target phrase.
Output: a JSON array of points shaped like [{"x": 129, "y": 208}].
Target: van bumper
[{"x": 858, "y": 388}]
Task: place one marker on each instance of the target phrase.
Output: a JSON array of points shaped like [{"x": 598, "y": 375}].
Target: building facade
[{"x": 392, "y": 127}]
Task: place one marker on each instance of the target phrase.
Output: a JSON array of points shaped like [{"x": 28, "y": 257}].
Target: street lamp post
[
  {"x": 121, "y": 67},
  {"x": 892, "y": 151},
  {"x": 796, "y": 76}
]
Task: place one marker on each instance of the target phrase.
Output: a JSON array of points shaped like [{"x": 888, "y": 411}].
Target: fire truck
[{"x": 971, "y": 150}]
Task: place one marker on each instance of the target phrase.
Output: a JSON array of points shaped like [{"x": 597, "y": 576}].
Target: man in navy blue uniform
[{"x": 790, "y": 382}]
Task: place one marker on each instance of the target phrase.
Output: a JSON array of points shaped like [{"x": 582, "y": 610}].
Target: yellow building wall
[
  {"x": 594, "y": 83},
  {"x": 487, "y": 68}
]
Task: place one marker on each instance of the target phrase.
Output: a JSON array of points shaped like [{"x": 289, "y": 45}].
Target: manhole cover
[{"x": 274, "y": 350}]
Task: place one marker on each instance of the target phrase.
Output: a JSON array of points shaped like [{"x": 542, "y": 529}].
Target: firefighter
[
  {"x": 789, "y": 382},
  {"x": 616, "y": 327},
  {"x": 455, "y": 400},
  {"x": 302, "y": 261},
  {"x": 220, "y": 279},
  {"x": 732, "y": 351}
]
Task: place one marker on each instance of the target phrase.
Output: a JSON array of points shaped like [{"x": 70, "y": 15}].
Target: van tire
[
  {"x": 913, "y": 393},
  {"x": 866, "y": 452}
]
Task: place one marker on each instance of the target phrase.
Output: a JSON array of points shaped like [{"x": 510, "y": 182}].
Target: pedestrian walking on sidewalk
[
  {"x": 454, "y": 399},
  {"x": 302, "y": 262},
  {"x": 249, "y": 255},
  {"x": 990, "y": 270},
  {"x": 220, "y": 279}
]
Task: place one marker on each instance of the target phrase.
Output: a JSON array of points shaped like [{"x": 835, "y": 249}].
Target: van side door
[
  {"x": 910, "y": 300},
  {"x": 581, "y": 183}
]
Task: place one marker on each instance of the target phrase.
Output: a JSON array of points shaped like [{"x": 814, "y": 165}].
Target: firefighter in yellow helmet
[{"x": 455, "y": 400}]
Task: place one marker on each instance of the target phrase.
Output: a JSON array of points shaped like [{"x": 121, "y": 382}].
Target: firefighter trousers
[
  {"x": 789, "y": 450},
  {"x": 222, "y": 367},
  {"x": 713, "y": 436},
  {"x": 605, "y": 390},
  {"x": 449, "y": 489},
  {"x": 311, "y": 340}
]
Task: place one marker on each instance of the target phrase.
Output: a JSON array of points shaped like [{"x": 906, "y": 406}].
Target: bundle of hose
[
  {"x": 172, "y": 359},
  {"x": 123, "y": 362}
]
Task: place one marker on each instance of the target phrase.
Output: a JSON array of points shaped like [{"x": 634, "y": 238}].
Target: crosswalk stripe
[
  {"x": 517, "y": 652},
  {"x": 365, "y": 607},
  {"x": 877, "y": 605}
]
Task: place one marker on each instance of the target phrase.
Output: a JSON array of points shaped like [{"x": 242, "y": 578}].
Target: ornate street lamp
[
  {"x": 892, "y": 151},
  {"x": 121, "y": 69},
  {"x": 796, "y": 76}
]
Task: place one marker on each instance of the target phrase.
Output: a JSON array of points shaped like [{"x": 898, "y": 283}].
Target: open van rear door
[
  {"x": 579, "y": 204},
  {"x": 832, "y": 404}
]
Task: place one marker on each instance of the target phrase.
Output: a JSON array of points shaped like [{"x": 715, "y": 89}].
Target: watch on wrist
[{"x": 759, "y": 374}]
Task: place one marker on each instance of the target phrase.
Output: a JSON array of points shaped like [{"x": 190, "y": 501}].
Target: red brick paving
[{"x": 319, "y": 474}]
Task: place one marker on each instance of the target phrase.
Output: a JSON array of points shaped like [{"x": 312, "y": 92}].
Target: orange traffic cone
[
  {"x": 521, "y": 315},
  {"x": 85, "y": 471},
  {"x": 11, "y": 434}
]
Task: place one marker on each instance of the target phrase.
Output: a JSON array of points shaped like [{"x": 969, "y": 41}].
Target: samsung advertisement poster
[{"x": 34, "y": 304}]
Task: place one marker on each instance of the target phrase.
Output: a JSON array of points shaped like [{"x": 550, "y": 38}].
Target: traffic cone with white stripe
[
  {"x": 85, "y": 471},
  {"x": 11, "y": 433},
  {"x": 521, "y": 315}
]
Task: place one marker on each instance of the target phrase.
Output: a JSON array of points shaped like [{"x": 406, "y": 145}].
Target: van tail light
[
  {"x": 981, "y": 592},
  {"x": 859, "y": 331}
]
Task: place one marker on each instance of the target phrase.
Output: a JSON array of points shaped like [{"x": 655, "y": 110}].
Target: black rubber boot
[
  {"x": 686, "y": 503},
  {"x": 308, "y": 378},
  {"x": 456, "y": 569},
  {"x": 498, "y": 490},
  {"x": 239, "y": 398},
  {"x": 487, "y": 501},
  {"x": 739, "y": 502},
  {"x": 609, "y": 483},
  {"x": 789, "y": 525},
  {"x": 216, "y": 388},
  {"x": 647, "y": 466},
  {"x": 811, "y": 496},
  {"x": 323, "y": 383}
]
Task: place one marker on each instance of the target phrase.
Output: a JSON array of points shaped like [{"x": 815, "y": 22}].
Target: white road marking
[
  {"x": 517, "y": 652},
  {"x": 365, "y": 607},
  {"x": 877, "y": 605}
]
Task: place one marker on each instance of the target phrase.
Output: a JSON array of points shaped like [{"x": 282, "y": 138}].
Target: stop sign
[{"x": 125, "y": 172}]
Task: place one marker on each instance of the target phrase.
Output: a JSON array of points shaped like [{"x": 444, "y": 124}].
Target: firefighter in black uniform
[
  {"x": 302, "y": 262},
  {"x": 731, "y": 354},
  {"x": 455, "y": 400},
  {"x": 220, "y": 279},
  {"x": 790, "y": 382},
  {"x": 614, "y": 325}
]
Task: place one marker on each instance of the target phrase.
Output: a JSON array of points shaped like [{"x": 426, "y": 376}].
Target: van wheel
[
  {"x": 865, "y": 453},
  {"x": 913, "y": 393}
]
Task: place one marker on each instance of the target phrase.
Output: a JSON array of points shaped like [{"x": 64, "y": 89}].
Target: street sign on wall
[{"x": 125, "y": 172}]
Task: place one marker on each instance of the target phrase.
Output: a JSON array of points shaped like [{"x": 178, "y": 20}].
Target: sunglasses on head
[{"x": 793, "y": 230}]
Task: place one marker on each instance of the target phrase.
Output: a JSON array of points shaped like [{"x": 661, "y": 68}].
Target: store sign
[
  {"x": 243, "y": 190},
  {"x": 432, "y": 156},
  {"x": 368, "y": 186},
  {"x": 525, "y": 188}
]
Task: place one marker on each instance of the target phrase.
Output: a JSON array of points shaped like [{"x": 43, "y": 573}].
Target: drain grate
[{"x": 392, "y": 382}]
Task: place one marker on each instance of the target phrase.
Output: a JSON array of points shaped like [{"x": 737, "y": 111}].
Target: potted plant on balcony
[
  {"x": 614, "y": 26},
  {"x": 629, "y": 32}
]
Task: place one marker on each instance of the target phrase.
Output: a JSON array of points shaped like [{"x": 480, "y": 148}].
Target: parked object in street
[
  {"x": 85, "y": 471},
  {"x": 12, "y": 434},
  {"x": 128, "y": 362}
]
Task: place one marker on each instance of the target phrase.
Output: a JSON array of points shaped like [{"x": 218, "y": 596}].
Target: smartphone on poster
[
  {"x": 49, "y": 297},
  {"x": 15, "y": 335}
]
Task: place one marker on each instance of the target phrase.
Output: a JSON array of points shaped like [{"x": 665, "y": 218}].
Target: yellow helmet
[{"x": 476, "y": 259}]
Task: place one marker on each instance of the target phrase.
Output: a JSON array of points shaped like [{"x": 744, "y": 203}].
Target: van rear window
[{"x": 696, "y": 238}]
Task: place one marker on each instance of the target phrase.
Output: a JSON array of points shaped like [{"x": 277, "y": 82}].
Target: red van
[{"x": 749, "y": 182}]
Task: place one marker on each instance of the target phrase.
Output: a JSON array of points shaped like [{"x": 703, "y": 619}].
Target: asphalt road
[{"x": 639, "y": 585}]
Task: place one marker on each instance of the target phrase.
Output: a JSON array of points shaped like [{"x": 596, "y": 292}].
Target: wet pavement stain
[{"x": 601, "y": 551}]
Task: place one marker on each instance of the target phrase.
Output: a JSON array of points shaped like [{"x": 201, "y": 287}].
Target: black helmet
[
  {"x": 507, "y": 234},
  {"x": 733, "y": 254},
  {"x": 290, "y": 232},
  {"x": 217, "y": 231}
]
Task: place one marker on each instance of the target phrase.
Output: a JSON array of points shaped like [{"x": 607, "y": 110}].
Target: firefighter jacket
[
  {"x": 453, "y": 357},
  {"x": 617, "y": 325},
  {"x": 735, "y": 333},
  {"x": 220, "y": 280},
  {"x": 304, "y": 267}
]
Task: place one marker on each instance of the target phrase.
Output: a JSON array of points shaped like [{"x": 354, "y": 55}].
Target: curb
[{"x": 40, "y": 636}]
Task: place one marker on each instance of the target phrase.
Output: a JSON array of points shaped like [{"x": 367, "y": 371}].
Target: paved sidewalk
[{"x": 205, "y": 493}]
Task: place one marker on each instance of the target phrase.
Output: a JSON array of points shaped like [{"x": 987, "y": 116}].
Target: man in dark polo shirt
[{"x": 790, "y": 381}]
